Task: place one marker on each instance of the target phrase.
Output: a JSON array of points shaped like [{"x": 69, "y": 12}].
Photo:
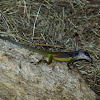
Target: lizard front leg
[{"x": 70, "y": 63}]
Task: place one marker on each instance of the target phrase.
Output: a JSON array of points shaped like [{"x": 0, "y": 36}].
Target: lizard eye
[
  {"x": 76, "y": 54},
  {"x": 86, "y": 54}
]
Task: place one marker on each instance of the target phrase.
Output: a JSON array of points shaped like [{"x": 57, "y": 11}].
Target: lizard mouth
[{"x": 87, "y": 60}]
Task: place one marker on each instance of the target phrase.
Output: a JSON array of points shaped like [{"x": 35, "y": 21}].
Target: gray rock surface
[{"x": 21, "y": 78}]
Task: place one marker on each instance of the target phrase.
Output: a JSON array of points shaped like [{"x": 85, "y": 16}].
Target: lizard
[{"x": 69, "y": 56}]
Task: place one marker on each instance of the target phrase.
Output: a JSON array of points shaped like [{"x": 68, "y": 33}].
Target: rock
[{"x": 21, "y": 78}]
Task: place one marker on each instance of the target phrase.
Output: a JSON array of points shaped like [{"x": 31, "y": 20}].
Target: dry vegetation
[{"x": 70, "y": 24}]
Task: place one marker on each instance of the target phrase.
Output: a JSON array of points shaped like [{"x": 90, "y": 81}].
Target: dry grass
[{"x": 71, "y": 24}]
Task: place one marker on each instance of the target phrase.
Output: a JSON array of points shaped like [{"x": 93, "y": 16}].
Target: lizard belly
[{"x": 62, "y": 59}]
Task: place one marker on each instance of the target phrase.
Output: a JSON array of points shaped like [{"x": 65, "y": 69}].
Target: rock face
[{"x": 21, "y": 78}]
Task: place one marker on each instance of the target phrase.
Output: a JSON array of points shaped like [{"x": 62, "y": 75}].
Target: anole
[{"x": 70, "y": 57}]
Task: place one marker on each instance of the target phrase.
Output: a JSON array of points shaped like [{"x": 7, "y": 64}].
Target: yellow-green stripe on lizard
[{"x": 69, "y": 57}]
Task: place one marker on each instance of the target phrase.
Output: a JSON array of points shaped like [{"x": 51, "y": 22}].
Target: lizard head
[{"x": 83, "y": 55}]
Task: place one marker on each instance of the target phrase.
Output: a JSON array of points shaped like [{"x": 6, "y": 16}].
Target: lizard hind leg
[{"x": 45, "y": 61}]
